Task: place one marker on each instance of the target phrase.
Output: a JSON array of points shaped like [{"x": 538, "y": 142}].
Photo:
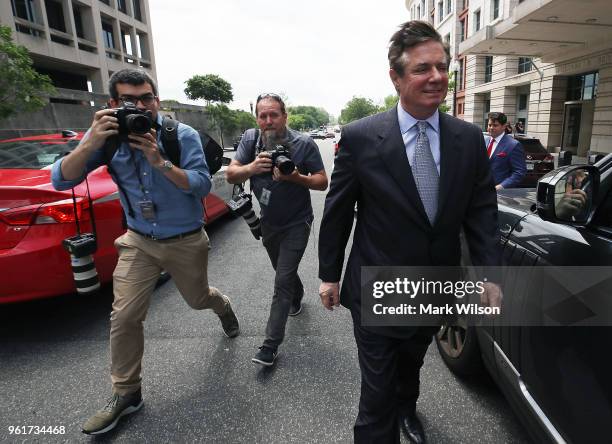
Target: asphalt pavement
[{"x": 199, "y": 386}]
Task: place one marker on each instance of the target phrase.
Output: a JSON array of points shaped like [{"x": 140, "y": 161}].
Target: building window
[
  {"x": 460, "y": 76},
  {"x": 121, "y": 6},
  {"x": 55, "y": 15},
  {"x": 448, "y": 6},
  {"x": 440, "y": 12},
  {"x": 106, "y": 2},
  {"x": 495, "y": 8},
  {"x": 524, "y": 64},
  {"x": 447, "y": 39},
  {"x": 583, "y": 87},
  {"x": 522, "y": 105},
  {"x": 488, "y": 69},
  {"x": 419, "y": 11},
  {"x": 137, "y": 11},
  {"x": 23, "y": 9},
  {"x": 477, "y": 20},
  {"x": 462, "y": 29},
  {"x": 78, "y": 21},
  {"x": 107, "y": 35}
]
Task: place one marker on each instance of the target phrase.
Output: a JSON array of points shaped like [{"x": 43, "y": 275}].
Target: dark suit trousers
[{"x": 389, "y": 381}]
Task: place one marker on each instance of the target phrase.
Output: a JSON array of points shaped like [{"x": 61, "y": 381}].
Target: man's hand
[
  {"x": 572, "y": 203},
  {"x": 498, "y": 187},
  {"x": 292, "y": 177},
  {"x": 261, "y": 164},
  {"x": 103, "y": 126},
  {"x": 492, "y": 296},
  {"x": 147, "y": 143},
  {"x": 330, "y": 294}
]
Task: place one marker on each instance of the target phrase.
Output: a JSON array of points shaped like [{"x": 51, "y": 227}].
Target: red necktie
[{"x": 490, "y": 147}]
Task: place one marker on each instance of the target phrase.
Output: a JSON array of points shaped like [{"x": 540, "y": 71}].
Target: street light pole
[
  {"x": 455, "y": 67},
  {"x": 251, "y": 103}
]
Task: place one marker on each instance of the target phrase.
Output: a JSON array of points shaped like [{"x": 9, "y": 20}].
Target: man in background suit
[
  {"x": 418, "y": 177},
  {"x": 506, "y": 154}
]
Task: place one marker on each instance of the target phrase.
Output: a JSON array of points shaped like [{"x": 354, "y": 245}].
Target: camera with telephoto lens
[
  {"x": 241, "y": 205},
  {"x": 81, "y": 245},
  {"x": 281, "y": 158},
  {"x": 132, "y": 120}
]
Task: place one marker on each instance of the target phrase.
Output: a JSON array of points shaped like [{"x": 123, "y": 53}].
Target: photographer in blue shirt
[{"x": 163, "y": 207}]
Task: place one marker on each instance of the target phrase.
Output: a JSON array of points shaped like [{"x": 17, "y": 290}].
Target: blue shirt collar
[{"x": 406, "y": 121}]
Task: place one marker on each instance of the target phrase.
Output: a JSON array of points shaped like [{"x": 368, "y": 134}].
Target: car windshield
[
  {"x": 533, "y": 146},
  {"x": 33, "y": 154}
]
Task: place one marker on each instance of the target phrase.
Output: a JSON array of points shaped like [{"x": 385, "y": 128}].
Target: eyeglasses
[
  {"x": 146, "y": 99},
  {"x": 269, "y": 95}
]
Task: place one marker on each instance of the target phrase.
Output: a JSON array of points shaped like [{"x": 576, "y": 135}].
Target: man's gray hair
[{"x": 409, "y": 35}]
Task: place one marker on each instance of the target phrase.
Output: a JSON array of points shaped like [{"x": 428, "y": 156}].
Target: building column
[{"x": 602, "y": 119}]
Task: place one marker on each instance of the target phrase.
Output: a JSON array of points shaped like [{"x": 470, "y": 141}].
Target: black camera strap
[
  {"x": 253, "y": 148},
  {"x": 91, "y": 211}
]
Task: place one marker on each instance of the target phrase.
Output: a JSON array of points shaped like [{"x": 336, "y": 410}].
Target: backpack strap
[
  {"x": 169, "y": 138},
  {"x": 110, "y": 148},
  {"x": 253, "y": 149}
]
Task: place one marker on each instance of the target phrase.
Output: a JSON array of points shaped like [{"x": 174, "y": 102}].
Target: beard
[{"x": 272, "y": 138}]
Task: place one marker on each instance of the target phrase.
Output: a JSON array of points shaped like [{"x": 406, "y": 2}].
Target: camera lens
[
  {"x": 285, "y": 165},
  {"x": 138, "y": 123}
]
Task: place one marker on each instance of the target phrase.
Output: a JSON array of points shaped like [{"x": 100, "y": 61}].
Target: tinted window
[
  {"x": 33, "y": 155},
  {"x": 532, "y": 146}
]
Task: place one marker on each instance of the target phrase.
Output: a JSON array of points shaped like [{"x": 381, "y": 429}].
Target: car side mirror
[
  {"x": 225, "y": 161},
  {"x": 567, "y": 194}
]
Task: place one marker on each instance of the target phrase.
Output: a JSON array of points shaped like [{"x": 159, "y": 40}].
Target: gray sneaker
[
  {"x": 229, "y": 321},
  {"x": 116, "y": 407}
]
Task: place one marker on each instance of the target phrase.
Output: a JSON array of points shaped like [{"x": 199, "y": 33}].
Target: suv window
[{"x": 532, "y": 146}]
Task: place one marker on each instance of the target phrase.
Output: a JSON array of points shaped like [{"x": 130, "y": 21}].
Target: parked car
[
  {"x": 329, "y": 135},
  {"x": 557, "y": 378},
  {"x": 236, "y": 142},
  {"x": 35, "y": 218},
  {"x": 537, "y": 159},
  {"x": 316, "y": 134}
]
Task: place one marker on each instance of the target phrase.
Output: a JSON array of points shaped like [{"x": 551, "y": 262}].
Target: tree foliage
[
  {"x": 209, "y": 87},
  {"x": 244, "y": 120},
  {"x": 357, "y": 108},
  {"x": 22, "y": 89},
  {"x": 389, "y": 102},
  {"x": 305, "y": 117}
]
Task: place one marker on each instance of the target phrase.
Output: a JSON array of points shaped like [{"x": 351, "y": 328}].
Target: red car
[{"x": 35, "y": 218}]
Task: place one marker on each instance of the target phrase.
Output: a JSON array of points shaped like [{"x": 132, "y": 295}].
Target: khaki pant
[{"x": 140, "y": 262}]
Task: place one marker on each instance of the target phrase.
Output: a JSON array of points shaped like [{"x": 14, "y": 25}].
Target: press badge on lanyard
[{"x": 147, "y": 209}]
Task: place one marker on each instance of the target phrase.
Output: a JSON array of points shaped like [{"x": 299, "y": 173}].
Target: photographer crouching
[
  {"x": 283, "y": 165},
  {"x": 163, "y": 207}
]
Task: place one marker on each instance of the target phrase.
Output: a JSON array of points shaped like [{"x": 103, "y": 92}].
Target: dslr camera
[
  {"x": 132, "y": 120},
  {"x": 81, "y": 245},
  {"x": 281, "y": 158},
  {"x": 241, "y": 205}
]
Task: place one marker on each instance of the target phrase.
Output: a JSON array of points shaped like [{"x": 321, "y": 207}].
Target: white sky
[{"x": 317, "y": 52}]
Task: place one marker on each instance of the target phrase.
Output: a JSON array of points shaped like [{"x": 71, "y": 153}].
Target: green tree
[
  {"x": 22, "y": 89},
  {"x": 209, "y": 87},
  {"x": 356, "y": 108},
  {"x": 244, "y": 120},
  {"x": 222, "y": 118},
  {"x": 313, "y": 116},
  {"x": 297, "y": 122},
  {"x": 389, "y": 102}
]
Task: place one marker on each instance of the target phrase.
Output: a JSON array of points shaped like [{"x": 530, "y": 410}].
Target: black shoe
[
  {"x": 296, "y": 309},
  {"x": 116, "y": 407},
  {"x": 296, "y": 306},
  {"x": 265, "y": 356},
  {"x": 412, "y": 428},
  {"x": 229, "y": 321}
]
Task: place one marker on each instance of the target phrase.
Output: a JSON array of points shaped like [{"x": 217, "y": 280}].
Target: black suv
[{"x": 557, "y": 378}]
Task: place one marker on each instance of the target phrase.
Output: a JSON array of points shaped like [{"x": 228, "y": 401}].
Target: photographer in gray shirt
[{"x": 286, "y": 210}]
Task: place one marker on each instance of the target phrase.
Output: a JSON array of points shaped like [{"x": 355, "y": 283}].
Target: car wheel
[{"x": 459, "y": 349}]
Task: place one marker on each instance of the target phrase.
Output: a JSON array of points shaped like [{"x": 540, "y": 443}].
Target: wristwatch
[{"x": 167, "y": 165}]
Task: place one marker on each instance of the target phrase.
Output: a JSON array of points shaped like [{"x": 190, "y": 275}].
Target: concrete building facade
[
  {"x": 546, "y": 63},
  {"x": 80, "y": 43}
]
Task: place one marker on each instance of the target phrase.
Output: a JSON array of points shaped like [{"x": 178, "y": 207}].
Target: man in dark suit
[
  {"x": 418, "y": 176},
  {"x": 506, "y": 154}
]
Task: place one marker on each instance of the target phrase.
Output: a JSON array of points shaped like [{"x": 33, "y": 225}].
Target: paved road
[{"x": 201, "y": 387}]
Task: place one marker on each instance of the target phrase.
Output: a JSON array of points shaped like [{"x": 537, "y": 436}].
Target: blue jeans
[{"x": 285, "y": 249}]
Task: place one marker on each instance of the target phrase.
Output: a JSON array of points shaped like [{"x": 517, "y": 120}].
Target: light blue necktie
[{"x": 425, "y": 173}]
